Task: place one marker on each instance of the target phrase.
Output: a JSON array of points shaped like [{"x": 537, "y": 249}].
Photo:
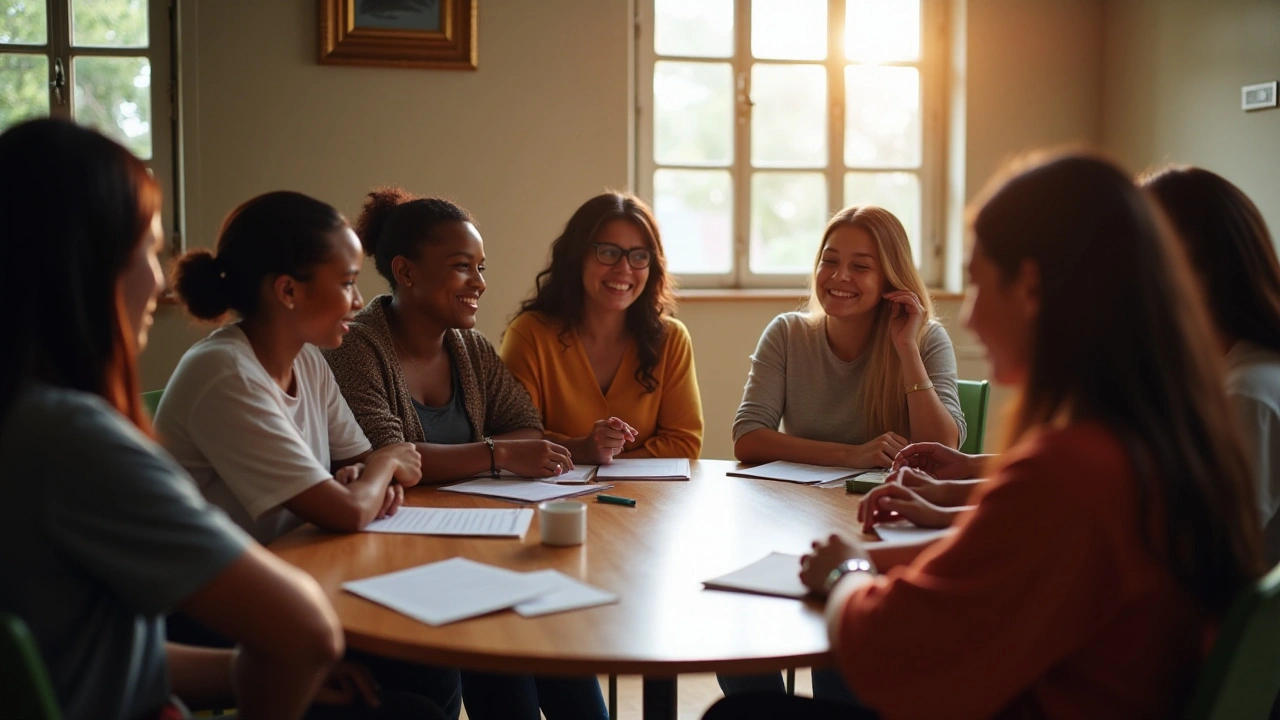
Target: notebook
[
  {"x": 794, "y": 472},
  {"x": 775, "y": 574},
  {"x": 524, "y": 491},
  {"x": 645, "y": 469},
  {"x": 579, "y": 475},
  {"x": 475, "y": 522}
]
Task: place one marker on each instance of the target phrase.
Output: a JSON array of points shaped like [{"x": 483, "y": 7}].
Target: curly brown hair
[{"x": 559, "y": 292}]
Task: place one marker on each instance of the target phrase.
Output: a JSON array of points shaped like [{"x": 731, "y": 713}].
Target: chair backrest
[
  {"x": 25, "y": 689},
  {"x": 973, "y": 403},
  {"x": 1241, "y": 678},
  {"x": 151, "y": 400}
]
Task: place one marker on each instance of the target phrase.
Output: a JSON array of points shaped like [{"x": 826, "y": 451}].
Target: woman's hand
[
  {"x": 817, "y": 565},
  {"x": 532, "y": 458},
  {"x": 406, "y": 463},
  {"x": 938, "y": 460},
  {"x": 891, "y": 501},
  {"x": 607, "y": 439},
  {"x": 392, "y": 501},
  {"x": 346, "y": 683},
  {"x": 877, "y": 453},
  {"x": 905, "y": 320},
  {"x": 938, "y": 492}
]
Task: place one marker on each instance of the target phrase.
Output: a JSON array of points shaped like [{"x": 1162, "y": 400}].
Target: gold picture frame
[{"x": 436, "y": 34}]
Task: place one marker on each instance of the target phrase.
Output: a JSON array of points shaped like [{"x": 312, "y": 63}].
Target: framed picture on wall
[{"x": 437, "y": 34}]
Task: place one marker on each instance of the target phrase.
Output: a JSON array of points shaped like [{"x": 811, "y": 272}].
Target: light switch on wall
[{"x": 1257, "y": 97}]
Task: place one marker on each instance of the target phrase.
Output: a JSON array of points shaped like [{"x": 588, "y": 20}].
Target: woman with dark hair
[
  {"x": 415, "y": 370},
  {"x": 101, "y": 533},
  {"x": 1119, "y": 526},
  {"x": 602, "y": 310},
  {"x": 1234, "y": 258},
  {"x": 253, "y": 412}
]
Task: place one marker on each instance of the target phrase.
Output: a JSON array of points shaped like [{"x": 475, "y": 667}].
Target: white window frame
[
  {"x": 933, "y": 65},
  {"x": 161, "y": 52}
]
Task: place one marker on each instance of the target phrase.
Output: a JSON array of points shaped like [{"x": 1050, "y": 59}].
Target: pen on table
[{"x": 615, "y": 500}]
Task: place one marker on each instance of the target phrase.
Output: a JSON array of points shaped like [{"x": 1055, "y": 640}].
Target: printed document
[{"x": 477, "y": 522}]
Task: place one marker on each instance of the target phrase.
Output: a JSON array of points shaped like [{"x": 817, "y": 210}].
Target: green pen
[{"x": 615, "y": 500}]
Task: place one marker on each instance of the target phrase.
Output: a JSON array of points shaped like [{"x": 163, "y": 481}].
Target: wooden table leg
[{"x": 659, "y": 698}]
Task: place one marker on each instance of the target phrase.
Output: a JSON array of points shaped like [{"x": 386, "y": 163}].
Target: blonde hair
[{"x": 883, "y": 377}]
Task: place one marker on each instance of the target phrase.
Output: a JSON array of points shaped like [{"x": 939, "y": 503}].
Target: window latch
[{"x": 59, "y": 82}]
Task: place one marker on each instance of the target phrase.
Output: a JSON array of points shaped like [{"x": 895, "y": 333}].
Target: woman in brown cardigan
[{"x": 414, "y": 369}]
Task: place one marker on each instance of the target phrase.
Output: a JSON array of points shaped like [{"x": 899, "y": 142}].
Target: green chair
[
  {"x": 1241, "y": 678},
  {"x": 151, "y": 400},
  {"x": 973, "y": 403},
  {"x": 25, "y": 689}
]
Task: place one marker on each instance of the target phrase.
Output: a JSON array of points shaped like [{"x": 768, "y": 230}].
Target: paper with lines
[{"x": 475, "y": 522}]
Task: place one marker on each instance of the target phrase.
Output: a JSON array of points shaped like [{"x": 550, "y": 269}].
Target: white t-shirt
[
  {"x": 1253, "y": 385},
  {"x": 248, "y": 444}
]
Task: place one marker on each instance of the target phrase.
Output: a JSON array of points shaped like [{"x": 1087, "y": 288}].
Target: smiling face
[
  {"x": 613, "y": 288},
  {"x": 142, "y": 281},
  {"x": 1002, "y": 314},
  {"x": 326, "y": 303},
  {"x": 849, "y": 279},
  {"x": 447, "y": 280}
]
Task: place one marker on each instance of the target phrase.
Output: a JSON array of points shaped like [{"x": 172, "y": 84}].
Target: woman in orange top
[
  {"x": 608, "y": 367},
  {"x": 1117, "y": 529}
]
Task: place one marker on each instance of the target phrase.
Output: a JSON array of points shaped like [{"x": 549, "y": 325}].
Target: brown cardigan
[{"x": 368, "y": 372}]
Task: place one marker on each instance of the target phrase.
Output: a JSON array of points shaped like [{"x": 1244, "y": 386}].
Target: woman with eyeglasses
[{"x": 607, "y": 366}]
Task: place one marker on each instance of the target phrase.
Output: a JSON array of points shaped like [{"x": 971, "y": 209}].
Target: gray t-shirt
[
  {"x": 799, "y": 386},
  {"x": 1253, "y": 386},
  {"x": 101, "y": 533},
  {"x": 447, "y": 424}
]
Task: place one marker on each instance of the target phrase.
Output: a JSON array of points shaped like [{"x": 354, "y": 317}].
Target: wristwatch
[
  {"x": 493, "y": 458},
  {"x": 848, "y": 566}
]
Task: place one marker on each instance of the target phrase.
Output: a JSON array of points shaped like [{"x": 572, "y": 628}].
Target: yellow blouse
[{"x": 559, "y": 378}]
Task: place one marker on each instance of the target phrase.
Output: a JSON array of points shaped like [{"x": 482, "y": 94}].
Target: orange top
[
  {"x": 556, "y": 372},
  {"x": 1045, "y": 604}
]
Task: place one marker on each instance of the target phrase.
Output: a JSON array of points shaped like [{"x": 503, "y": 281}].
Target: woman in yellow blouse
[{"x": 605, "y": 363}]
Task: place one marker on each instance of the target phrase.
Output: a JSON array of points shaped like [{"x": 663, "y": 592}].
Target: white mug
[{"x": 563, "y": 522}]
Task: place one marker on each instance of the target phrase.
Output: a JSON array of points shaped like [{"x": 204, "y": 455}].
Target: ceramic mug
[{"x": 563, "y": 522}]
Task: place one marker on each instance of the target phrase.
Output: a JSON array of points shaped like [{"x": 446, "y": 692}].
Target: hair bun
[
  {"x": 373, "y": 216},
  {"x": 201, "y": 285}
]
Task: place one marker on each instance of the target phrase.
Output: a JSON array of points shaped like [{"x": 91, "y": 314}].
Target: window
[
  {"x": 104, "y": 63},
  {"x": 758, "y": 119}
]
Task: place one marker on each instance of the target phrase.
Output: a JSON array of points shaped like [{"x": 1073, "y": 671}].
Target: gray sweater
[{"x": 798, "y": 385}]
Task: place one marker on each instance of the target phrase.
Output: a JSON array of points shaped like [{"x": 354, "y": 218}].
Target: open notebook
[
  {"x": 521, "y": 490},
  {"x": 794, "y": 472},
  {"x": 645, "y": 469}
]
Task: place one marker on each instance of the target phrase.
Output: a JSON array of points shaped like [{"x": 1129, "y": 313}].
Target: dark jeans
[
  {"x": 772, "y": 706},
  {"x": 490, "y": 696},
  {"x": 827, "y": 685},
  {"x": 408, "y": 690}
]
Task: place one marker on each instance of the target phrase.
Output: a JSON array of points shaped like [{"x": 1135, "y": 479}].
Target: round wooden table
[{"x": 653, "y": 556}]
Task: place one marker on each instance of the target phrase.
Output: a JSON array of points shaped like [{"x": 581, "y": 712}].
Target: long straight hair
[
  {"x": 76, "y": 206},
  {"x": 1122, "y": 339},
  {"x": 882, "y": 381}
]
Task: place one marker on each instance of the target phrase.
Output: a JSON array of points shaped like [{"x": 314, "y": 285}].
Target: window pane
[
  {"x": 882, "y": 30},
  {"x": 789, "y": 116},
  {"x": 788, "y": 213},
  {"x": 114, "y": 95},
  {"x": 24, "y": 88},
  {"x": 695, "y": 213},
  {"x": 882, "y": 117},
  {"x": 693, "y": 28},
  {"x": 789, "y": 29},
  {"x": 23, "y": 22},
  {"x": 693, "y": 113},
  {"x": 897, "y": 192},
  {"x": 109, "y": 23}
]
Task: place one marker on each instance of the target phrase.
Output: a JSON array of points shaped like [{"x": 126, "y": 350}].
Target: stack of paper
[
  {"x": 457, "y": 589},
  {"x": 774, "y": 574},
  {"x": 522, "y": 490},
  {"x": 578, "y": 475},
  {"x": 794, "y": 472},
  {"x": 645, "y": 469},
  {"x": 477, "y": 522}
]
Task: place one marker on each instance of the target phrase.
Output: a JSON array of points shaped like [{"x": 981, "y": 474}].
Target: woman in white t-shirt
[{"x": 253, "y": 412}]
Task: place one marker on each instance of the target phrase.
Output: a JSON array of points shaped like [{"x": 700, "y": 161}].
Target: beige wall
[
  {"x": 1172, "y": 91},
  {"x": 541, "y": 126}
]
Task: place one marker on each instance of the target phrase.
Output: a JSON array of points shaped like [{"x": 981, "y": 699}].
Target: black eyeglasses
[{"x": 610, "y": 254}]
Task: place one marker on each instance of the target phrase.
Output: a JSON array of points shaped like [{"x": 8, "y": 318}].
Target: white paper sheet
[
  {"x": 477, "y": 522},
  {"x": 797, "y": 472},
  {"x": 774, "y": 574},
  {"x": 522, "y": 490},
  {"x": 578, "y": 475},
  {"x": 450, "y": 590},
  {"x": 645, "y": 469},
  {"x": 566, "y": 593},
  {"x": 903, "y": 531}
]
